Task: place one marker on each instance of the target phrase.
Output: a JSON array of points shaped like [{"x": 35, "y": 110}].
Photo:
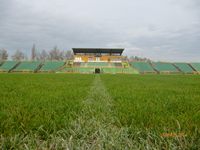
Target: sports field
[{"x": 60, "y": 111}]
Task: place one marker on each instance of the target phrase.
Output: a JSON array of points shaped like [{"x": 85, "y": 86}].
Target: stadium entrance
[{"x": 97, "y": 71}]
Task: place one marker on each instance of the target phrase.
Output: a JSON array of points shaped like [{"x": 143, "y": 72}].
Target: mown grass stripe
[{"x": 95, "y": 128}]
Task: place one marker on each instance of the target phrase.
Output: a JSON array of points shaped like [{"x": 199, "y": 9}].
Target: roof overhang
[{"x": 98, "y": 50}]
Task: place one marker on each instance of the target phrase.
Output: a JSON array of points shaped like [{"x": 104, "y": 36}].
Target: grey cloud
[{"x": 167, "y": 30}]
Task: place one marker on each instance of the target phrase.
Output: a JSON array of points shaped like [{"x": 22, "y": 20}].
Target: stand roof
[{"x": 98, "y": 50}]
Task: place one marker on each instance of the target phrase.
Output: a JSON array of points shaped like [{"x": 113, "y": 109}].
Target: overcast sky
[{"x": 167, "y": 30}]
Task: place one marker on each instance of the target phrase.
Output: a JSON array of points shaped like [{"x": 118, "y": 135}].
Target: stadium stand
[
  {"x": 77, "y": 64},
  {"x": 85, "y": 70},
  {"x": 8, "y": 66},
  {"x": 109, "y": 70},
  {"x": 143, "y": 67},
  {"x": 106, "y": 70},
  {"x": 51, "y": 66},
  {"x": 119, "y": 70},
  {"x": 27, "y": 66},
  {"x": 128, "y": 70},
  {"x": 83, "y": 64},
  {"x": 195, "y": 66},
  {"x": 99, "y": 60},
  {"x": 97, "y": 64},
  {"x": 77, "y": 70},
  {"x": 184, "y": 67},
  {"x": 68, "y": 70},
  {"x": 116, "y": 64},
  {"x": 165, "y": 67}
]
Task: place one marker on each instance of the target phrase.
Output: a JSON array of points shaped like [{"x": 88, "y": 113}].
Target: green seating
[
  {"x": 184, "y": 67},
  {"x": 142, "y": 66},
  {"x": 27, "y": 66},
  {"x": 83, "y": 64},
  {"x": 8, "y": 65},
  {"x": 119, "y": 70},
  {"x": 164, "y": 67},
  {"x": 116, "y": 64},
  {"x": 85, "y": 70},
  {"x": 78, "y": 70},
  {"x": 109, "y": 70},
  {"x": 68, "y": 70},
  {"x": 97, "y": 64},
  {"x": 52, "y": 65},
  {"x": 196, "y": 66},
  {"x": 130, "y": 70}
]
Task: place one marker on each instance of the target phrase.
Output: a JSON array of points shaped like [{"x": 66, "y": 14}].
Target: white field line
[{"x": 95, "y": 128}]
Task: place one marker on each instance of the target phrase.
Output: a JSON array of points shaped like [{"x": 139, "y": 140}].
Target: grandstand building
[
  {"x": 98, "y": 54},
  {"x": 100, "y": 60}
]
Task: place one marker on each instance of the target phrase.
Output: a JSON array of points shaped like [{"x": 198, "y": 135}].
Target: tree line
[
  {"x": 137, "y": 58},
  {"x": 52, "y": 55}
]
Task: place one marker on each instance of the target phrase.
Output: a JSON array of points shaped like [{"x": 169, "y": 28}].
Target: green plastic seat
[
  {"x": 184, "y": 67},
  {"x": 97, "y": 64},
  {"x": 8, "y": 65},
  {"x": 109, "y": 70},
  {"x": 196, "y": 66},
  {"x": 52, "y": 65},
  {"x": 85, "y": 70},
  {"x": 142, "y": 66},
  {"x": 164, "y": 67},
  {"x": 28, "y": 66},
  {"x": 120, "y": 70}
]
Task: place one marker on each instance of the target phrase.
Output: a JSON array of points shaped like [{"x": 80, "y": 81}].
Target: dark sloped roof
[{"x": 98, "y": 50}]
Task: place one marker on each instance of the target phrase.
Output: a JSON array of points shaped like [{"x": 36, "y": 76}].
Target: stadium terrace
[{"x": 99, "y": 60}]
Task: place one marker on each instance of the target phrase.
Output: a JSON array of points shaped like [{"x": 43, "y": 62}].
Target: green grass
[
  {"x": 39, "y": 105},
  {"x": 60, "y": 111},
  {"x": 156, "y": 105}
]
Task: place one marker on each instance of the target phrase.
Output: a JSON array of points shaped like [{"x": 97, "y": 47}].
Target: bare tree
[
  {"x": 33, "y": 53},
  {"x": 42, "y": 56},
  {"x": 69, "y": 55},
  {"x": 56, "y": 54},
  {"x": 62, "y": 55},
  {"x": 136, "y": 58},
  {"x": 18, "y": 56},
  {"x": 25, "y": 58},
  {"x": 3, "y": 54}
]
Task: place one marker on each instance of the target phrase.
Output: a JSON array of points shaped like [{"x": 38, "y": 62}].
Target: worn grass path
[{"x": 95, "y": 128}]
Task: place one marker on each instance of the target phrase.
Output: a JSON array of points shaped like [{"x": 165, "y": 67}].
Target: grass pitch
[{"x": 59, "y": 111}]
